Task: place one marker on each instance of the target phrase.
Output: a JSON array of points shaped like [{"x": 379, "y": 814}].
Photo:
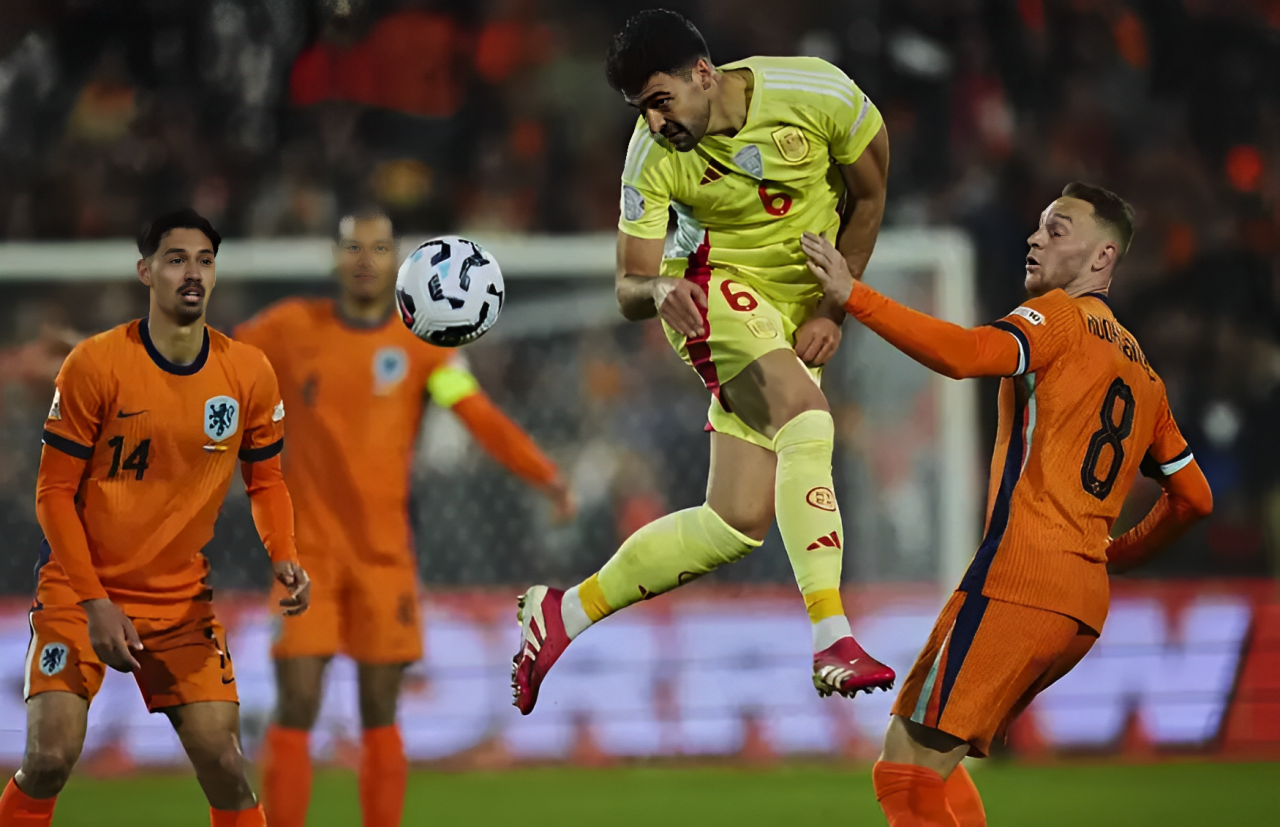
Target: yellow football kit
[{"x": 741, "y": 205}]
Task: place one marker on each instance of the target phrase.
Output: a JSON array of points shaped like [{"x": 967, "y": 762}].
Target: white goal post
[{"x": 582, "y": 266}]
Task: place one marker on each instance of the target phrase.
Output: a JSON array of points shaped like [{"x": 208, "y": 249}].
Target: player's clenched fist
[
  {"x": 294, "y": 578},
  {"x": 678, "y": 302},
  {"x": 826, "y": 262},
  {"x": 112, "y": 634}
]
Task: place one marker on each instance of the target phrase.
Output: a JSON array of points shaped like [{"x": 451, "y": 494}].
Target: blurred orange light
[{"x": 1244, "y": 168}]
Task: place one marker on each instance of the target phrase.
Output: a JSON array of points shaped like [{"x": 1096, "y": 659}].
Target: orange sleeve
[
  {"x": 504, "y": 439},
  {"x": 942, "y": 347},
  {"x": 70, "y": 432},
  {"x": 1187, "y": 499},
  {"x": 56, "y": 487},
  {"x": 264, "y": 421},
  {"x": 272, "y": 507},
  {"x": 1045, "y": 328}
]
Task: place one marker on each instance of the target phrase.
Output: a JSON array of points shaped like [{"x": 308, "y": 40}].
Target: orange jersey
[
  {"x": 159, "y": 443},
  {"x": 1078, "y": 417},
  {"x": 355, "y": 398}
]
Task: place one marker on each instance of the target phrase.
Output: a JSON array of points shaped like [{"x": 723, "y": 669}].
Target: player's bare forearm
[
  {"x": 635, "y": 297},
  {"x": 1186, "y": 500},
  {"x": 639, "y": 263},
  {"x": 866, "y": 184}
]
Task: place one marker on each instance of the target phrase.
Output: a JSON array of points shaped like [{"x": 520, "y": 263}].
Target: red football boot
[
  {"x": 542, "y": 641},
  {"x": 844, "y": 668}
]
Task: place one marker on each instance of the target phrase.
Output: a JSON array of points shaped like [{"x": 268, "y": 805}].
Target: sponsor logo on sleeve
[
  {"x": 632, "y": 203},
  {"x": 277, "y": 413},
  {"x": 55, "y": 410},
  {"x": 1033, "y": 316}
]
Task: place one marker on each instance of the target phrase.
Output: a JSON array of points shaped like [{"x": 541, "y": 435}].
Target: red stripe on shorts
[{"x": 699, "y": 348}]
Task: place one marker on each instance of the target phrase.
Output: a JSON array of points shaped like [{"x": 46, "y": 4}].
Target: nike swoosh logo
[
  {"x": 226, "y": 681},
  {"x": 123, "y": 415}
]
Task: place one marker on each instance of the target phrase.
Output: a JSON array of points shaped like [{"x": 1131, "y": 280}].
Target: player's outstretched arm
[
  {"x": 943, "y": 347},
  {"x": 1187, "y": 499},
  {"x": 642, "y": 294},
  {"x": 454, "y": 387},
  {"x": 272, "y": 509}
]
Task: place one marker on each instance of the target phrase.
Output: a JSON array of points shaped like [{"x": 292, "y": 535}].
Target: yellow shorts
[
  {"x": 365, "y": 610},
  {"x": 741, "y": 326},
  {"x": 184, "y": 660}
]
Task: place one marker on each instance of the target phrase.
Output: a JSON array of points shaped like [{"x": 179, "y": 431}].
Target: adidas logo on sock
[{"x": 831, "y": 540}]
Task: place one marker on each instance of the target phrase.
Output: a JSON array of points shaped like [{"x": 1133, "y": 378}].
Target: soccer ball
[{"x": 449, "y": 291}]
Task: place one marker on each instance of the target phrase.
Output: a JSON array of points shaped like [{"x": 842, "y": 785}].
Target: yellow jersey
[{"x": 743, "y": 202}]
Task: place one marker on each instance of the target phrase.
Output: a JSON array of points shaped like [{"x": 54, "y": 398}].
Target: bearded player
[
  {"x": 749, "y": 156},
  {"x": 356, "y": 383},
  {"x": 1081, "y": 412},
  {"x": 147, "y": 424}
]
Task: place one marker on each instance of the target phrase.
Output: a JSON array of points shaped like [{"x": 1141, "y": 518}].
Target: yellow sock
[
  {"x": 666, "y": 553},
  {"x": 809, "y": 520}
]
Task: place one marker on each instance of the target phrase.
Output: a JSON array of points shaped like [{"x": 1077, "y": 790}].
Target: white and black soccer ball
[{"x": 449, "y": 291}]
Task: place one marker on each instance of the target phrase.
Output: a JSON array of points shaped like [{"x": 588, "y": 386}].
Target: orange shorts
[
  {"x": 184, "y": 660},
  {"x": 367, "y": 611},
  {"x": 985, "y": 661}
]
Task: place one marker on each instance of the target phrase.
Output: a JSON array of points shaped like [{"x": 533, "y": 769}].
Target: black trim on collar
[
  {"x": 356, "y": 324},
  {"x": 1102, "y": 297},
  {"x": 164, "y": 364}
]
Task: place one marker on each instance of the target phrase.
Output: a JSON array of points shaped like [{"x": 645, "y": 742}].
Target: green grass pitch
[{"x": 1094, "y": 796}]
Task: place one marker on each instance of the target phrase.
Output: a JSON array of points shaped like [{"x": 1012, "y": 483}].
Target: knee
[
  {"x": 377, "y": 709},
  {"x": 752, "y": 522},
  {"x": 219, "y": 757},
  {"x": 298, "y": 709},
  {"x": 45, "y": 771}
]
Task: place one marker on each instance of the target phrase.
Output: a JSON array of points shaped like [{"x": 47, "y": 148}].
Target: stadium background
[{"x": 493, "y": 119}]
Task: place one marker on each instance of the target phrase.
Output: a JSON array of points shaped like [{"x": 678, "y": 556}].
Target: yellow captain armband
[{"x": 451, "y": 384}]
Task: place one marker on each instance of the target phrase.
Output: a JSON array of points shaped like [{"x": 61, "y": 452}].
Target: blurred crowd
[{"x": 267, "y": 115}]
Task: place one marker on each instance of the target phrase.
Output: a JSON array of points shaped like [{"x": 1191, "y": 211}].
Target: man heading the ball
[
  {"x": 353, "y": 379},
  {"x": 749, "y": 156}
]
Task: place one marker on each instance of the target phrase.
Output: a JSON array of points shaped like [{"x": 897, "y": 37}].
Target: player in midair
[
  {"x": 1081, "y": 412},
  {"x": 356, "y": 382},
  {"x": 148, "y": 422},
  {"x": 749, "y": 155}
]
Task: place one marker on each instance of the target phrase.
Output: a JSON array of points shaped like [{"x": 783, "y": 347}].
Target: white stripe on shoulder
[
  {"x": 831, "y": 91},
  {"x": 635, "y": 160},
  {"x": 833, "y": 74},
  {"x": 862, "y": 115},
  {"x": 1171, "y": 468}
]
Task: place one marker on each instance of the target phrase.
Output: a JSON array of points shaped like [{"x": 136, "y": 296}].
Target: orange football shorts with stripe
[
  {"x": 184, "y": 660},
  {"x": 984, "y": 663}
]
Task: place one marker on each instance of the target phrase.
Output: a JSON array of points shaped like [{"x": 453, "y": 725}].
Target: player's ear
[
  {"x": 1107, "y": 256},
  {"x": 144, "y": 272},
  {"x": 704, "y": 73}
]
